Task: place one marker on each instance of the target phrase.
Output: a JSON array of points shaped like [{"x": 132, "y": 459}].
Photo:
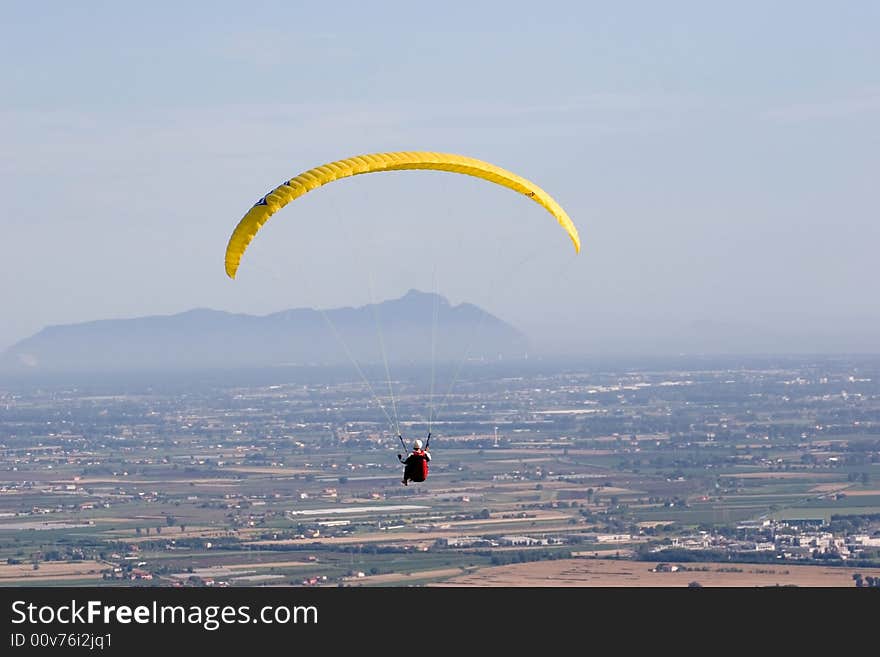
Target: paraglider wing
[{"x": 313, "y": 178}]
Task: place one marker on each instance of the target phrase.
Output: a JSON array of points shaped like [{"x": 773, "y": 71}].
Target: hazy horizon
[
  {"x": 696, "y": 338},
  {"x": 719, "y": 162}
]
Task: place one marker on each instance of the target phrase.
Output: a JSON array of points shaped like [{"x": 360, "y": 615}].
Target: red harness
[{"x": 417, "y": 468}]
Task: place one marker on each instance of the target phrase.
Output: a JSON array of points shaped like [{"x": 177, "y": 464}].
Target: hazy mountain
[{"x": 302, "y": 336}]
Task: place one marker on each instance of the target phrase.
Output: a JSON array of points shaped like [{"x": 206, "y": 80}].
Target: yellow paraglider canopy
[{"x": 313, "y": 178}]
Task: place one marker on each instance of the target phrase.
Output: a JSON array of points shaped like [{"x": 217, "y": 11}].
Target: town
[{"x": 290, "y": 476}]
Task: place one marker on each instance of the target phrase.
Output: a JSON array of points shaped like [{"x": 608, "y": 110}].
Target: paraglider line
[
  {"x": 358, "y": 368},
  {"x": 384, "y": 356},
  {"x": 493, "y": 290},
  {"x": 433, "y": 353}
]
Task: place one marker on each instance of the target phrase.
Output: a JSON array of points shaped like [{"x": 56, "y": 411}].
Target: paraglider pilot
[{"x": 416, "y": 464}]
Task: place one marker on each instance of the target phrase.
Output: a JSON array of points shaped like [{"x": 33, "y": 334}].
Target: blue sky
[{"x": 719, "y": 160}]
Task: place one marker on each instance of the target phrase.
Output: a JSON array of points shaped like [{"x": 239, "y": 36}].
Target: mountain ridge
[{"x": 205, "y": 337}]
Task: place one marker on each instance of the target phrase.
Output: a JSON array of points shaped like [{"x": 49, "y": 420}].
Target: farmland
[{"x": 548, "y": 474}]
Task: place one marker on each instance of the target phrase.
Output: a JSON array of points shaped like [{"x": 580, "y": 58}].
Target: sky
[{"x": 720, "y": 161}]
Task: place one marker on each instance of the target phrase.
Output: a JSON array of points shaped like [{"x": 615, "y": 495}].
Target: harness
[{"x": 417, "y": 469}]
